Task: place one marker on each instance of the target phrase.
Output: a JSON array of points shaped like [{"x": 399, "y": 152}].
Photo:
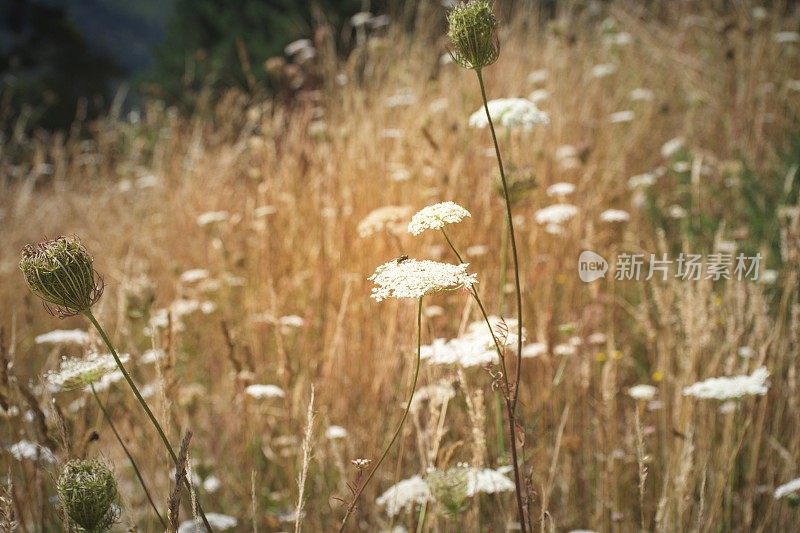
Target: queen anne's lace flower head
[
  {"x": 642, "y": 392},
  {"x": 411, "y": 278},
  {"x": 792, "y": 487},
  {"x": 403, "y": 494},
  {"x": 391, "y": 218},
  {"x": 555, "y": 214},
  {"x": 510, "y": 113},
  {"x": 437, "y": 216},
  {"x": 727, "y": 388},
  {"x": 76, "y": 373}
]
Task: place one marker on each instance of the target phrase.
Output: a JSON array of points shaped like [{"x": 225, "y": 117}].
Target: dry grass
[{"x": 719, "y": 81}]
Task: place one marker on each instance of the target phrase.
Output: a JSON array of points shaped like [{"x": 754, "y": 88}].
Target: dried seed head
[
  {"x": 87, "y": 490},
  {"x": 60, "y": 272},
  {"x": 450, "y": 487},
  {"x": 472, "y": 33}
]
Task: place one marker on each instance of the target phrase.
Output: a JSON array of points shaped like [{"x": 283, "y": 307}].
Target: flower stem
[
  {"x": 351, "y": 507},
  {"x": 128, "y": 453},
  {"x": 513, "y": 392},
  {"x": 143, "y": 403}
]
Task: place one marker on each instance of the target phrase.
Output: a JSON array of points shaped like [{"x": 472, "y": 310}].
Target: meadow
[{"x": 236, "y": 242}]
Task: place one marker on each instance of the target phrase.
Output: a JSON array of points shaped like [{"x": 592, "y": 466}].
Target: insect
[{"x": 401, "y": 259}]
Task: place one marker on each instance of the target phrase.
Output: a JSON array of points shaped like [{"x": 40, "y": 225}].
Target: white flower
[
  {"x": 510, "y": 113},
  {"x": 264, "y": 210},
  {"x": 560, "y": 189},
  {"x": 220, "y": 522},
  {"x": 335, "y": 432},
  {"x": 641, "y": 180},
  {"x": 477, "y": 250},
  {"x": 437, "y": 394},
  {"x": 746, "y": 352},
  {"x": 211, "y": 217},
  {"x": 538, "y": 76},
  {"x": 787, "y": 488},
  {"x": 391, "y": 218},
  {"x": 32, "y": 451},
  {"x": 621, "y": 116},
  {"x": 488, "y": 481},
  {"x": 475, "y": 347},
  {"x": 555, "y": 214},
  {"x": 726, "y": 388},
  {"x": 151, "y": 356},
  {"x": 403, "y": 494},
  {"x": 603, "y": 70},
  {"x": 194, "y": 275},
  {"x": 642, "y": 392},
  {"x": 415, "y": 279},
  {"x": 295, "y": 47},
  {"x": 534, "y": 349},
  {"x": 564, "y": 349},
  {"x": 566, "y": 151},
  {"x": 597, "y": 338},
  {"x": 76, "y": 373},
  {"x": 676, "y": 211},
  {"x": 63, "y": 336},
  {"x": 783, "y": 37},
  {"x": 264, "y": 391},
  {"x": 437, "y": 216},
  {"x": 539, "y": 95},
  {"x": 211, "y": 484},
  {"x": 670, "y": 148},
  {"x": 291, "y": 321},
  {"x": 615, "y": 215},
  {"x": 641, "y": 95},
  {"x": 402, "y": 98}
]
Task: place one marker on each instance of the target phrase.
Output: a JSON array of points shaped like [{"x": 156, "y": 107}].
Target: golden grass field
[{"x": 289, "y": 184}]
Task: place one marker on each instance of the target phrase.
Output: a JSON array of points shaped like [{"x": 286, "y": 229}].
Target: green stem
[
  {"x": 144, "y": 405},
  {"x": 352, "y": 506},
  {"x": 514, "y": 393},
  {"x": 128, "y": 453}
]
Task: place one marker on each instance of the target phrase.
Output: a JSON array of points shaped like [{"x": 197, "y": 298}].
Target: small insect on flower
[
  {"x": 87, "y": 490},
  {"x": 60, "y": 272}
]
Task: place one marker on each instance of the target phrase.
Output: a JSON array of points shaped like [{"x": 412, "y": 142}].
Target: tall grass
[{"x": 294, "y": 180}]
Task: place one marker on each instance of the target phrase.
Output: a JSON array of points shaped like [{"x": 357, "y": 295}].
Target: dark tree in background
[
  {"x": 224, "y": 43},
  {"x": 48, "y": 70}
]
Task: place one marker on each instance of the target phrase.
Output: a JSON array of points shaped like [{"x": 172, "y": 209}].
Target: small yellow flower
[
  {"x": 658, "y": 375},
  {"x": 600, "y": 357}
]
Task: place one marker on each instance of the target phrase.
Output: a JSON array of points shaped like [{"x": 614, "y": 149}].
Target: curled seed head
[
  {"x": 87, "y": 490},
  {"x": 450, "y": 487},
  {"x": 60, "y": 272},
  {"x": 473, "y": 34}
]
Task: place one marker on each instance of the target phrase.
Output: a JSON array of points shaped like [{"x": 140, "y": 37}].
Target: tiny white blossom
[
  {"x": 63, "y": 336},
  {"x": 621, "y": 116},
  {"x": 31, "y": 451},
  {"x": 335, "y": 432},
  {"x": 641, "y": 180},
  {"x": 603, "y": 70},
  {"x": 194, "y": 275},
  {"x": 76, "y": 373},
  {"x": 726, "y": 388},
  {"x": 437, "y": 216},
  {"x": 212, "y": 484},
  {"x": 534, "y": 349},
  {"x": 220, "y": 522},
  {"x": 615, "y": 215},
  {"x": 404, "y": 494},
  {"x": 642, "y": 392},
  {"x": 671, "y": 147},
  {"x": 538, "y": 76},
  {"x": 560, "y": 189},
  {"x": 391, "y": 218},
  {"x": 641, "y": 95},
  {"x": 212, "y": 217},
  {"x": 510, "y": 113},
  {"x": 555, "y": 214},
  {"x": 787, "y": 488},
  {"x": 415, "y": 279},
  {"x": 264, "y": 391},
  {"x": 783, "y": 37}
]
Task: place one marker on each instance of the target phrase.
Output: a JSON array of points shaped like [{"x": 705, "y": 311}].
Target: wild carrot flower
[
  {"x": 390, "y": 218},
  {"x": 472, "y": 33},
  {"x": 414, "y": 279},
  {"x": 560, "y": 189},
  {"x": 437, "y": 216},
  {"x": 726, "y": 388},
  {"x": 787, "y": 489},
  {"x": 615, "y": 215},
  {"x": 264, "y": 391},
  {"x": 489, "y": 481},
  {"x": 509, "y": 113},
  {"x": 404, "y": 494},
  {"x": 335, "y": 432},
  {"x": 87, "y": 490},
  {"x": 31, "y": 451},
  {"x": 76, "y": 373},
  {"x": 449, "y": 487},
  {"x": 219, "y": 521},
  {"x": 642, "y": 392},
  {"x": 63, "y": 336},
  {"x": 555, "y": 214},
  {"x": 60, "y": 272}
]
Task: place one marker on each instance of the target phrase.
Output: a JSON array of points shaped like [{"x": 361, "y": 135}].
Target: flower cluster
[
  {"x": 509, "y": 113},
  {"x": 437, "y": 216},
  {"x": 391, "y": 218},
  {"x": 727, "y": 388},
  {"x": 76, "y": 373},
  {"x": 87, "y": 490},
  {"x": 411, "y": 278},
  {"x": 475, "y": 347}
]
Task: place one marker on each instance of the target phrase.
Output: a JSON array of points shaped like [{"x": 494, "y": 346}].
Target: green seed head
[
  {"x": 87, "y": 490},
  {"x": 60, "y": 272},
  {"x": 449, "y": 488},
  {"x": 472, "y": 33}
]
